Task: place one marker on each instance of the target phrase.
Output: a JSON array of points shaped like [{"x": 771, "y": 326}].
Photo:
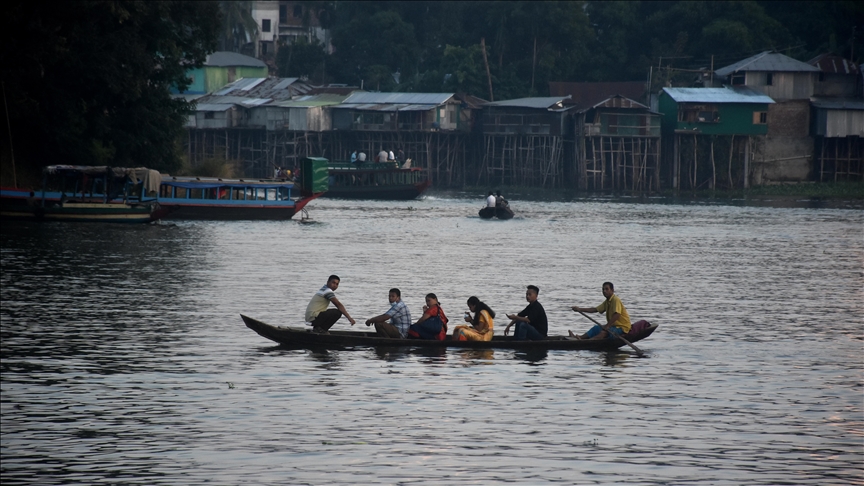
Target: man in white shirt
[
  {"x": 317, "y": 313},
  {"x": 382, "y": 156},
  {"x": 491, "y": 200}
]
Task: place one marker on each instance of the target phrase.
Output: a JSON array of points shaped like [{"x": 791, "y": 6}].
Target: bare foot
[{"x": 574, "y": 335}]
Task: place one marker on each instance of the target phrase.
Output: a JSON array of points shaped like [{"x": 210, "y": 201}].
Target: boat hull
[
  {"x": 15, "y": 204},
  {"x": 305, "y": 338},
  {"x": 401, "y": 192},
  {"x": 500, "y": 213}
]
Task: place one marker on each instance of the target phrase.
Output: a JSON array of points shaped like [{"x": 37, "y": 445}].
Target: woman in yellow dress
[{"x": 481, "y": 324}]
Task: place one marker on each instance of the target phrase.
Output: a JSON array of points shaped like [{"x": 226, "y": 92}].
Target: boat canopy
[
  {"x": 192, "y": 183},
  {"x": 149, "y": 177}
]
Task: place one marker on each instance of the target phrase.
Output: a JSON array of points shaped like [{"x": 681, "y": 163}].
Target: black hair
[
  {"x": 334, "y": 277},
  {"x": 430, "y": 295},
  {"x": 535, "y": 288},
  {"x": 480, "y": 306},
  {"x": 609, "y": 284},
  {"x": 397, "y": 292}
]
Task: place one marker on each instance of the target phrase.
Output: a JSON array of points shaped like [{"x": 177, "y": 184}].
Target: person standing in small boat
[
  {"x": 318, "y": 316},
  {"x": 433, "y": 324},
  {"x": 617, "y": 318},
  {"x": 398, "y": 315},
  {"x": 481, "y": 323},
  {"x": 531, "y": 323}
]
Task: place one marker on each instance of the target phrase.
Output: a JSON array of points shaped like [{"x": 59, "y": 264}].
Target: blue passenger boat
[{"x": 234, "y": 199}]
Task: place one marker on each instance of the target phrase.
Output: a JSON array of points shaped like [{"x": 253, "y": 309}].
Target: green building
[
  {"x": 222, "y": 68},
  {"x": 714, "y": 111}
]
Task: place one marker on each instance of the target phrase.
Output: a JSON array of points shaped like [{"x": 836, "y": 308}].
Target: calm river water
[{"x": 124, "y": 359}]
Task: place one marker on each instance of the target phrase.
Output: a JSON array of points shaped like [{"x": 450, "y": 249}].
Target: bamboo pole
[{"x": 731, "y": 152}]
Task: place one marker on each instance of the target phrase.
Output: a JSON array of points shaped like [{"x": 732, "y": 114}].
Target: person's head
[
  {"x": 472, "y": 303},
  {"x": 431, "y": 299},
  {"x": 608, "y": 289},
  {"x": 532, "y": 293},
  {"x": 498, "y": 193},
  {"x": 395, "y": 295},
  {"x": 333, "y": 282}
]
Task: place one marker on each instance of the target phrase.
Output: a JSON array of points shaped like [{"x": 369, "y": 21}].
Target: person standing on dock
[
  {"x": 318, "y": 316},
  {"x": 382, "y": 156},
  {"x": 398, "y": 315},
  {"x": 531, "y": 323},
  {"x": 617, "y": 318}
]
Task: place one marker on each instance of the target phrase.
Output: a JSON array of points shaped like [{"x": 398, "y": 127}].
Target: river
[{"x": 124, "y": 359}]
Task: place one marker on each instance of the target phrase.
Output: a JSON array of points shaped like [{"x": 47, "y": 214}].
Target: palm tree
[{"x": 238, "y": 26}]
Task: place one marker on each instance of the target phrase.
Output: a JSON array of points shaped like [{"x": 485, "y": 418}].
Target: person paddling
[{"x": 617, "y": 318}]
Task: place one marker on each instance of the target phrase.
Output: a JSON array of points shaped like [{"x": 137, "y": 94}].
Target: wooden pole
[
  {"x": 747, "y": 163},
  {"x": 486, "y": 63},
  {"x": 713, "y": 166},
  {"x": 731, "y": 152}
]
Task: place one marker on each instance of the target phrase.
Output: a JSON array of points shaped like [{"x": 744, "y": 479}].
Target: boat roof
[{"x": 213, "y": 182}]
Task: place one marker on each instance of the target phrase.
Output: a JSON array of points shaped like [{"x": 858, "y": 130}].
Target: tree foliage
[
  {"x": 435, "y": 45},
  {"x": 88, "y": 82}
]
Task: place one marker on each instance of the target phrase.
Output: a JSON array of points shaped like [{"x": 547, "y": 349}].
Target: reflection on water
[{"x": 124, "y": 359}]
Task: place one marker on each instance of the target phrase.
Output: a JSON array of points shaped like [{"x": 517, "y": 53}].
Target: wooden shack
[
  {"x": 691, "y": 117},
  {"x": 838, "y": 128},
  {"x": 523, "y": 142}
]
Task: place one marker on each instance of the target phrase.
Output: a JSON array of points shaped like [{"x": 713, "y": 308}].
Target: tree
[
  {"x": 88, "y": 82},
  {"x": 302, "y": 59},
  {"x": 238, "y": 26}
]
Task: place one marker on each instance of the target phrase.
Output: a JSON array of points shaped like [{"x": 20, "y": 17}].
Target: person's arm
[
  {"x": 373, "y": 320},
  {"x": 343, "y": 310}
]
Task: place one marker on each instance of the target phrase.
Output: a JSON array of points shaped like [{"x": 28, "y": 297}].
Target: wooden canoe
[{"x": 304, "y": 338}]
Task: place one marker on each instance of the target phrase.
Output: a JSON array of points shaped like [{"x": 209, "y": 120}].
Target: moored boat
[
  {"x": 87, "y": 194},
  {"x": 304, "y": 337},
  {"x": 373, "y": 180},
  {"x": 247, "y": 199}
]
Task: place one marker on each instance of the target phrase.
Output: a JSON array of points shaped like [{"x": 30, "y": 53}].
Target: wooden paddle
[{"x": 605, "y": 328}]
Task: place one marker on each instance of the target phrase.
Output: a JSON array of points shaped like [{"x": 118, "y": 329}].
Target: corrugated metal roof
[
  {"x": 830, "y": 63},
  {"x": 767, "y": 61},
  {"x": 838, "y": 104},
  {"x": 549, "y": 103},
  {"x": 225, "y": 58},
  {"x": 400, "y": 98},
  {"x": 212, "y": 107},
  {"x": 324, "y": 99},
  {"x": 716, "y": 95},
  {"x": 284, "y": 83}
]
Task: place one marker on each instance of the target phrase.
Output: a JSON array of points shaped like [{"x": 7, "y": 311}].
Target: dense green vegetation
[
  {"x": 87, "y": 82},
  {"x": 436, "y": 46}
]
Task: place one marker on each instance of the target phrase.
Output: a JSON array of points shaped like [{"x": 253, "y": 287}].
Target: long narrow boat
[
  {"x": 86, "y": 194},
  {"x": 380, "y": 181},
  {"x": 305, "y": 338},
  {"x": 230, "y": 199},
  {"x": 234, "y": 199}
]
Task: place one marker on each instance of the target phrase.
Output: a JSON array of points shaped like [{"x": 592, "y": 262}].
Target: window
[
  {"x": 209, "y": 115},
  {"x": 769, "y": 79},
  {"x": 760, "y": 117},
  {"x": 283, "y": 14},
  {"x": 298, "y": 11},
  {"x": 265, "y": 25},
  {"x": 738, "y": 79}
]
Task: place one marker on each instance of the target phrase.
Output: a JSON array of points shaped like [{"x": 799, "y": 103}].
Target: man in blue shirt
[{"x": 398, "y": 315}]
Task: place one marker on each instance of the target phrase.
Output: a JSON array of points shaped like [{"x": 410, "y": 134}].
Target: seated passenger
[
  {"x": 481, "y": 324},
  {"x": 398, "y": 315},
  {"x": 433, "y": 323}
]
